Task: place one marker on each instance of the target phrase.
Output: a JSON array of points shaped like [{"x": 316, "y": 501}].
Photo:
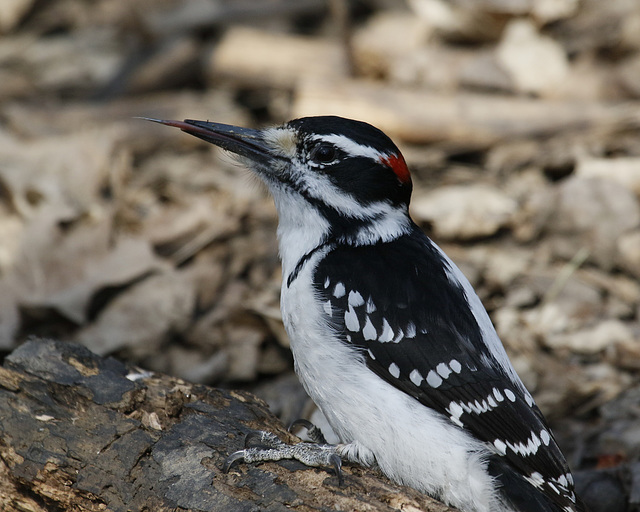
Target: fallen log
[{"x": 85, "y": 433}]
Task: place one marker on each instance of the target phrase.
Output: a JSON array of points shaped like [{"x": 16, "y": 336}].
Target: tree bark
[{"x": 83, "y": 433}]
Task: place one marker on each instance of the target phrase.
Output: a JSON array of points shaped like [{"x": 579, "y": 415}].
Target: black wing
[{"x": 418, "y": 332}]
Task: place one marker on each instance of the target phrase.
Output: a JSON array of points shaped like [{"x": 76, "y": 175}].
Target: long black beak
[{"x": 242, "y": 141}]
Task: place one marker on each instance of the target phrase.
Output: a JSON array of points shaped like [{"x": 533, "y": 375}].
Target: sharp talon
[
  {"x": 231, "y": 459},
  {"x": 314, "y": 433},
  {"x": 336, "y": 461},
  {"x": 302, "y": 423}
]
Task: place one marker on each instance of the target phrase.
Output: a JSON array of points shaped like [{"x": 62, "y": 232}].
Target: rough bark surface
[{"x": 83, "y": 433}]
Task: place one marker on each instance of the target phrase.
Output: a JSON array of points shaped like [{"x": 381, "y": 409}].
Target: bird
[{"x": 388, "y": 336}]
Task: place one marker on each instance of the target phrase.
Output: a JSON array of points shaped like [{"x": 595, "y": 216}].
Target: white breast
[{"x": 412, "y": 444}]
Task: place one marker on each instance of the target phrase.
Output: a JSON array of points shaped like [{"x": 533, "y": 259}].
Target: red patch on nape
[{"x": 398, "y": 166}]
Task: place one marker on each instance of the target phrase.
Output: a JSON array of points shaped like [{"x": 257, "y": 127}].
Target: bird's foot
[
  {"x": 314, "y": 433},
  {"x": 271, "y": 448}
]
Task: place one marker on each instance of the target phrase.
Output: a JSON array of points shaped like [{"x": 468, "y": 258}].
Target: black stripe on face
[
  {"x": 366, "y": 164},
  {"x": 368, "y": 182}
]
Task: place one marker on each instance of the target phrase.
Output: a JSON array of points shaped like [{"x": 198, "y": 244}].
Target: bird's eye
[{"x": 323, "y": 153}]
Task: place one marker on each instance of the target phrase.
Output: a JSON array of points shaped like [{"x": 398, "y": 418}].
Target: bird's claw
[
  {"x": 262, "y": 446},
  {"x": 336, "y": 462},
  {"x": 314, "y": 433},
  {"x": 231, "y": 459}
]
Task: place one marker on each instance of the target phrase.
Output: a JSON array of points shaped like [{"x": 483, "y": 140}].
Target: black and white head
[{"x": 331, "y": 177}]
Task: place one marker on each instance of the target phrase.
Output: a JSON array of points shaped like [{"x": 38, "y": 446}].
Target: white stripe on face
[
  {"x": 284, "y": 140},
  {"x": 350, "y": 147}
]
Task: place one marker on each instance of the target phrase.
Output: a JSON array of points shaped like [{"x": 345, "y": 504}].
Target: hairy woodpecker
[{"x": 389, "y": 338}]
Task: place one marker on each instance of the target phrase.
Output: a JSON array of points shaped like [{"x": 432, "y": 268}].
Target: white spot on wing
[
  {"x": 433, "y": 379},
  {"x": 369, "y": 331},
  {"x": 416, "y": 377},
  {"x": 457, "y": 421},
  {"x": 455, "y": 365},
  {"x": 399, "y": 336},
  {"x": 525, "y": 449},
  {"x": 500, "y": 446},
  {"x": 387, "y": 333},
  {"x": 509, "y": 394},
  {"x": 443, "y": 370},
  {"x": 476, "y": 407},
  {"x": 535, "y": 441},
  {"x": 371, "y": 355},
  {"x": 411, "y": 330},
  {"x": 327, "y": 282},
  {"x": 394, "y": 370},
  {"x": 498, "y": 395},
  {"x": 339, "y": 291},
  {"x": 536, "y": 479},
  {"x": 455, "y": 410},
  {"x": 371, "y": 307},
  {"x": 327, "y": 308},
  {"x": 545, "y": 437},
  {"x": 355, "y": 299},
  {"x": 351, "y": 320}
]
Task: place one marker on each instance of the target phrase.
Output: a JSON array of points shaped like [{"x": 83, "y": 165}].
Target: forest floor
[{"x": 519, "y": 120}]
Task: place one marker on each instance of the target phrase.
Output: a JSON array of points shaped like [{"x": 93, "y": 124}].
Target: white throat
[{"x": 302, "y": 228}]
